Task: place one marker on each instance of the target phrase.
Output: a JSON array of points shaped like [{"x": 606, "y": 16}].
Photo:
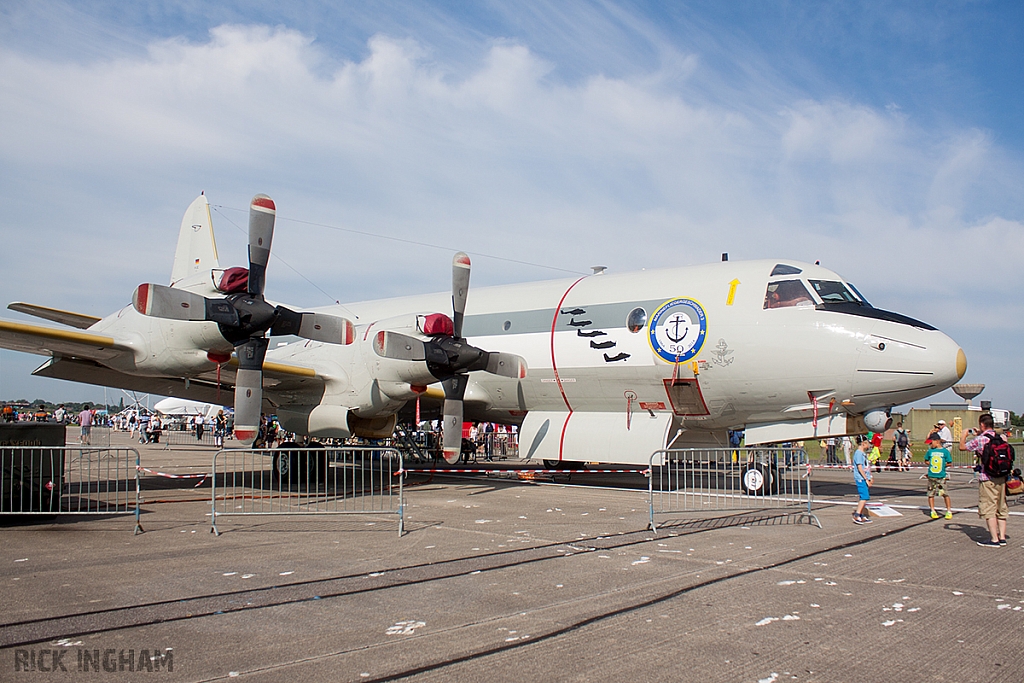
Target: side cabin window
[{"x": 787, "y": 293}]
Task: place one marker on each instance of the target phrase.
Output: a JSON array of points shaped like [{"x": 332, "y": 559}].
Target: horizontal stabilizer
[
  {"x": 49, "y": 341},
  {"x": 78, "y": 320}
]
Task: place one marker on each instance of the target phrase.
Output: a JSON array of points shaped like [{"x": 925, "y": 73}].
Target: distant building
[{"x": 919, "y": 421}]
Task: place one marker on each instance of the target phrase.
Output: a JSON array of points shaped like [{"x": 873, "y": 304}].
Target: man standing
[
  {"x": 847, "y": 449},
  {"x": 901, "y": 441},
  {"x": 945, "y": 434},
  {"x": 991, "y": 489},
  {"x": 85, "y": 422}
]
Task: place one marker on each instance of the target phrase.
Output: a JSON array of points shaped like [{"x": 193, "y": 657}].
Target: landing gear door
[{"x": 686, "y": 397}]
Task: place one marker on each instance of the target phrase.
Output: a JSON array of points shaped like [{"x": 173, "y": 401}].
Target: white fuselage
[
  {"x": 752, "y": 364},
  {"x": 638, "y": 357}
]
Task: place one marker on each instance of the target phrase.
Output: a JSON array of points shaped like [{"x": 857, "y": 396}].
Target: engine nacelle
[{"x": 338, "y": 422}]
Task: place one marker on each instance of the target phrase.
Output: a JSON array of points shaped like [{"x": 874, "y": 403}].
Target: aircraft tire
[
  {"x": 286, "y": 465},
  {"x": 759, "y": 480},
  {"x": 314, "y": 466},
  {"x": 298, "y": 467}
]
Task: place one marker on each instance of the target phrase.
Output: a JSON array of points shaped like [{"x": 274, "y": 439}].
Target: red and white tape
[{"x": 200, "y": 477}]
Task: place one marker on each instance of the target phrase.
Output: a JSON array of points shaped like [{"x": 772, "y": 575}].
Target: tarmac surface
[{"x": 504, "y": 580}]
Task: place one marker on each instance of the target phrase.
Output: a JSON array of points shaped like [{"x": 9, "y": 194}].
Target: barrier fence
[
  {"x": 187, "y": 437},
  {"x": 821, "y": 456},
  {"x": 427, "y": 446},
  {"x": 70, "y": 480},
  {"x": 714, "y": 479},
  {"x": 307, "y": 481}
]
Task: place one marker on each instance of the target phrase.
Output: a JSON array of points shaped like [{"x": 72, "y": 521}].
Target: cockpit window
[
  {"x": 783, "y": 269},
  {"x": 860, "y": 296},
  {"x": 833, "y": 292},
  {"x": 787, "y": 293}
]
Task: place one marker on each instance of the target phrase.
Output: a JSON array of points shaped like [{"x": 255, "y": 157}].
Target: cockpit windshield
[
  {"x": 787, "y": 293},
  {"x": 860, "y": 296},
  {"x": 833, "y": 292}
]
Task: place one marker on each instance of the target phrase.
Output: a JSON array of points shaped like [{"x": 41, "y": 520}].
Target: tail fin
[{"x": 197, "y": 248}]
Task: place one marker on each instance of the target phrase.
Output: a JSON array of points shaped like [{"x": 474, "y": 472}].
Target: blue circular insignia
[{"x": 677, "y": 330}]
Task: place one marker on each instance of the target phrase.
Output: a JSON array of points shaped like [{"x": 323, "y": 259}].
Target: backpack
[
  {"x": 997, "y": 457},
  {"x": 901, "y": 439},
  {"x": 1014, "y": 485}
]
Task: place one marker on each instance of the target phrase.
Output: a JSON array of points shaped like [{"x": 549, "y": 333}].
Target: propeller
[
  {"x": 245, "y": 318},
  {"x": 450, "y": 358}
]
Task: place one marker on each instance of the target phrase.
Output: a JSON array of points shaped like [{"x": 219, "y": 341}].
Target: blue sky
[{"x": 882, "y": 138}]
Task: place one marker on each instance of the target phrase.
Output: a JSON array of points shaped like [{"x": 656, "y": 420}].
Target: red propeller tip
[
  {"x": 462, "y": 260},
  {"x": 141, "y": 299},
  {"x": 245, "y": 434},
  {"x": 263, "y": 202}
]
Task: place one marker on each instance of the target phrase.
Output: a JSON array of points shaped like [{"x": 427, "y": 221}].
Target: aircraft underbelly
[{"x": 593, "y": 436}]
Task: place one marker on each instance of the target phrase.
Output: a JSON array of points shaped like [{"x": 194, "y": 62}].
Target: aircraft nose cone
[{"x": 961, "y": 364}]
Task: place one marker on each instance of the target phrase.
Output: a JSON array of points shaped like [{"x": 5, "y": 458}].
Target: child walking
[{"x": 862, "y": 477}]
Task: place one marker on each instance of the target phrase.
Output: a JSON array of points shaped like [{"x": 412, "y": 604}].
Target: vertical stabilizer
[{"x": 197, "y": 248}]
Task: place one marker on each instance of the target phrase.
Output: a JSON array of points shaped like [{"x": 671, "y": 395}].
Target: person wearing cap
[
  {"x": 938, "y": 458},
  {"x": 945, "y": 435}
]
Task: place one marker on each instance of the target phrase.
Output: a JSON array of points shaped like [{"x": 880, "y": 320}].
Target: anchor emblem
[
  {"x": 677, "y": 330},
  {"x": 677, "y": 320}
]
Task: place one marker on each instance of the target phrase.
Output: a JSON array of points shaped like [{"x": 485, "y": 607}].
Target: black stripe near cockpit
[{"x": 858, "y": 309}]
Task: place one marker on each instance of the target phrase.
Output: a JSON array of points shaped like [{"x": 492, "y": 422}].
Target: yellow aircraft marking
[
  {"x": 434, "y": 392},
  {"x": 60, "y": 335},
  {"x": 280, "y": 368},
  {"x": 732, "y": 292}
]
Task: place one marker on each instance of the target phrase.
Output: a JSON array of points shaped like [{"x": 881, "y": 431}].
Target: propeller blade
[
  {"x": 262, "y": 212},
  {"x": 460, "y": 289},
  {"x": 399, "y": 346},
  {"x": 506, "y": 365},
  {"x": 160, "y": 301},
  {"x": 249, "y": 388},
  {"x": 454, "y": 392},
  {"x": 319, "y": 327}
]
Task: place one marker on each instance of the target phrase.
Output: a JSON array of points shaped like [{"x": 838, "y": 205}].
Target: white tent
[{"x": 179, "y": 406}]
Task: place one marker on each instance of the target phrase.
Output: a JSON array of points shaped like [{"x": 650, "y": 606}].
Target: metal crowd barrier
[
  {"x": 308, "y": 481},
  {"x": 70, "y": 480},
  {"x": 499, "y": 446},
  {"x": 182, "y": 437},
  {"x": 714, "y": 479}
]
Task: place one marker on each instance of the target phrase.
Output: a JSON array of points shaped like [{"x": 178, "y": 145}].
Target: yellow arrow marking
[{"x": 732, "y": 292}]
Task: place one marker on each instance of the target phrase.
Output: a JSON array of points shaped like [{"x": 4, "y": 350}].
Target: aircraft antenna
[
  {"x": 290, "y": 266},
  {"x": 415, "y": 242}
]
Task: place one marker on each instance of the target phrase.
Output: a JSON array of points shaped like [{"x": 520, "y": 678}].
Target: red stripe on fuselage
[{"x": 554, "y": 365}]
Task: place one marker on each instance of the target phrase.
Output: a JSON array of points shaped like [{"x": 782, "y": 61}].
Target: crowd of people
[{"x": 994, "y": 460}]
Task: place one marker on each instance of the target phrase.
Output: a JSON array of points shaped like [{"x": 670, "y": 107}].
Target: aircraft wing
[
  {"x": 283, "y": 383},
  {"x": 48, "y": 341},
  {"x": 79, "y": 320}
]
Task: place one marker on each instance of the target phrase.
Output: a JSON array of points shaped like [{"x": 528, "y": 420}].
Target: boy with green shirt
[{"x": 937, "y": 459}]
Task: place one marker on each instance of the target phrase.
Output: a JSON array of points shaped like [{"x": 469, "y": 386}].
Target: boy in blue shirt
[
  {"x": 862, "y": 477},
  {"x": 937, "y": 459}
]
